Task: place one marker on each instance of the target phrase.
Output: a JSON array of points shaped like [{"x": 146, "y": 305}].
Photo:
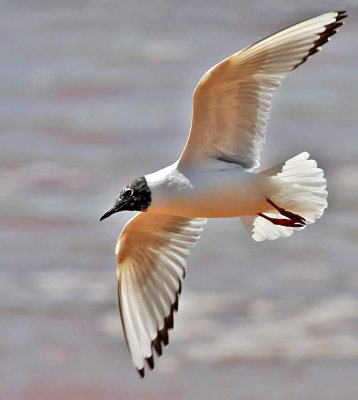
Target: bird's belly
[
  {"x": 214, "y": 200},
  {"x": 217, "y": 206}
]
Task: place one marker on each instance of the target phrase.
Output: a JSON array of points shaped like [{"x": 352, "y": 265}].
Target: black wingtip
[
  {"x": 150, "y": 361},
  {"x": 169, "y": 321},
  {"x": 164, "y": 336},
  {"x": 341, "y": 15},
  {"x": 324, "y": 37},
  {"x": 157, "y": 344}
]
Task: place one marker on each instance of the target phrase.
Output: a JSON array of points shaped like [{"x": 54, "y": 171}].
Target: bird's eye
[{"x": 128, "y": 193}]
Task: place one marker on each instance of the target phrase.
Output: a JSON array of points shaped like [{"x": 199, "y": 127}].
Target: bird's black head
[{"x": 134, "y": 197}]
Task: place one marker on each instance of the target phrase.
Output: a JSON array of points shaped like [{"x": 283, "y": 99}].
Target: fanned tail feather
[{"x": 301, "y": 189}]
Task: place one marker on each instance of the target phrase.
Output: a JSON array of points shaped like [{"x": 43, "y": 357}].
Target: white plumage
[{"x": 213, "y": 178}]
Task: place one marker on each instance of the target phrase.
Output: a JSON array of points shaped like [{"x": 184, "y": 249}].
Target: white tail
[{"x": 300, "y": 190}]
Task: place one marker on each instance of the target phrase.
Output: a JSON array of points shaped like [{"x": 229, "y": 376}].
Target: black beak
[{"x": 111, "y": 211}]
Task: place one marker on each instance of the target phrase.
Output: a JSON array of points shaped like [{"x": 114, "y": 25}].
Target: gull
[{"x": 213, "y": 178}]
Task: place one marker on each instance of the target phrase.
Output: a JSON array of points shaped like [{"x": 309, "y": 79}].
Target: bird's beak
[{"x": 111, "y": 211}]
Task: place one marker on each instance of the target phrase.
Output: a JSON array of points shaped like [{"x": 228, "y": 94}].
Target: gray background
[{"x": 96, "y": 93}]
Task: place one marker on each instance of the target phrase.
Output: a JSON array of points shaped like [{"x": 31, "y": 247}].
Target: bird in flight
[{"x": 213, "y": 178}]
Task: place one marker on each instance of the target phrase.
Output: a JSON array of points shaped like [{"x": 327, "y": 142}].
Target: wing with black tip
[
  {"x": 151, "y": 264},
  {"x": 232, "y": 101}
]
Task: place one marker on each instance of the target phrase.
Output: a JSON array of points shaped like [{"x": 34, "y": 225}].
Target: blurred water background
[{"x": 95, "y": 93}]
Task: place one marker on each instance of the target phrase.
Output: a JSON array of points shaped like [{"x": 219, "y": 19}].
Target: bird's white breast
[{"x": 206, "y": 194}]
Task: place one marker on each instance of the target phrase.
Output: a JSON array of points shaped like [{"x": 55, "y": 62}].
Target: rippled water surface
[{"x": 95, "y": 93}]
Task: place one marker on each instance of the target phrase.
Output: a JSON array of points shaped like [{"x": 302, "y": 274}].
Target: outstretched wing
[
  {"x": 233, "y": 99},
  {"x": 151, "y": 264}
]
